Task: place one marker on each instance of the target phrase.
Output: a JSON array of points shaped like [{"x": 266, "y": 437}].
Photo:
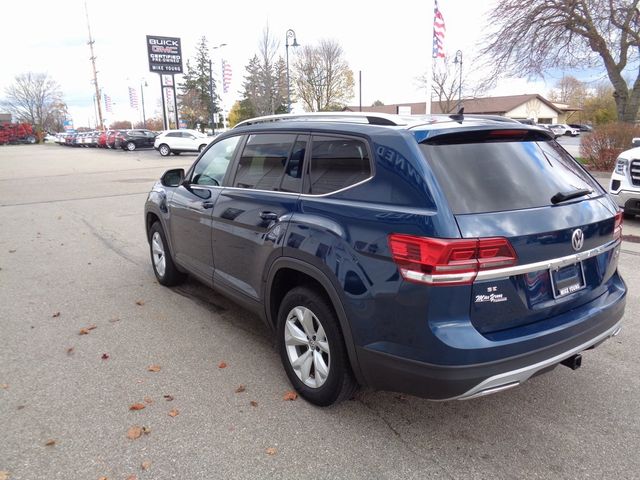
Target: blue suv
[{"x": 445, "y": 257}]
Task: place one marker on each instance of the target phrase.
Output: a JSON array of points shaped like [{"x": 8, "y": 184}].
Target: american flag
[
  {"x": 133, "y": 98},
  {"x": 438, "y": 32},
  {"x": 226, "y": 76},
  {"x": 107, "y": 103}
]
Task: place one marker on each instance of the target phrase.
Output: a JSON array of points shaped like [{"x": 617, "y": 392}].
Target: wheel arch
[{"x": 286, "y": 272}]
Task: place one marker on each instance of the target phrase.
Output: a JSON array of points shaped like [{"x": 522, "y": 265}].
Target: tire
[
  {"x": 161, "y": 261},
  {"x": 201, "y": 147},
  {"x": 130, "y": 146},
  {"x": 303, "y": 316},
  {"x": 164, "y": 150}
]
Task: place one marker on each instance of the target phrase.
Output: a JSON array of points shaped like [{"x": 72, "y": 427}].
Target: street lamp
[
  {"x": 143, "y": 83},
  {"x": 458, "y": 60},
  {"x": 290, "y": 34},
  {"x": 213, "y": 103}
]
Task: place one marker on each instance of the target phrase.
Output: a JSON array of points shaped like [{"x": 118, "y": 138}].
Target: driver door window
[{"x": 212, "y": 167}]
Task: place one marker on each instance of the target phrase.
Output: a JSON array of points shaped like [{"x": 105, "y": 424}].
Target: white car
[
  {"x": 625, "y": 181},
  {"x": 178, "y": 141},
  {"x": 565, "y": 129}
]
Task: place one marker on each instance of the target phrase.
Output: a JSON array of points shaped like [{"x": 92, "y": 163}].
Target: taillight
[
  {"x": 440, "y": 261},
  {"x": 617, "y": 226}
]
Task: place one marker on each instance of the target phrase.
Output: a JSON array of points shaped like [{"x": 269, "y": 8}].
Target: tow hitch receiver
[{"x": 573, "y": 362}]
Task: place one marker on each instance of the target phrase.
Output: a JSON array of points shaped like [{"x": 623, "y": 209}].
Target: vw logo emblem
[{"x": 577, "y": 239}]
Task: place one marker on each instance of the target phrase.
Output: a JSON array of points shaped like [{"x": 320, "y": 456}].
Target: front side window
[
  {"x": 337, "y": 163},
  {"x": 212, "y": 166},
  {"x": 263, "y": 161}
]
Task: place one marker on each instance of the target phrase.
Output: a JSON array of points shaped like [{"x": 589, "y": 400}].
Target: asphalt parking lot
[{"x": 73, "y": 256}]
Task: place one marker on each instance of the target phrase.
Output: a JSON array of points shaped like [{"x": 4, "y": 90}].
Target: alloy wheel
[
  {"x": 307, "y": 347},
  {"x": 157, "y": 250}
]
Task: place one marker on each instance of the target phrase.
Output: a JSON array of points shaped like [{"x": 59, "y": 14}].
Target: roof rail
[{"x": 347, "y": 117}]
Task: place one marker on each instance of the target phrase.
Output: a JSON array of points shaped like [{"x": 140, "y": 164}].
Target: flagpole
[{"x": 429, "y": 79}]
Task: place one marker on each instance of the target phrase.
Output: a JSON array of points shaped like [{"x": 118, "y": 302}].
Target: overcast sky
[{"x": 387, "y": 41}]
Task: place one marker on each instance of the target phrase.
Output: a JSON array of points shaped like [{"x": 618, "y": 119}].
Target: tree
[
  {"x": 195, "y": 102},
  {"x": 265, "y": 83},
  {"x": 120, "y": 125},
  {"x": 569, "y": 91},
  {"x": 532, "y": 37},
  {"x": 241, "y": 110},
  {"x": 599, "y": 107},
  {"x": 377, "y": 103},
  {"x": 35, "y": 98},
  {"x": 155, "y": 124},
  {"x": 322, "y": 77},
  {"x": 445, "y": 84}
]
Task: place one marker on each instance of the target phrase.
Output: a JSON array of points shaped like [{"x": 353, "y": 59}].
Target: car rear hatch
[{"x": 563, "y": 231}]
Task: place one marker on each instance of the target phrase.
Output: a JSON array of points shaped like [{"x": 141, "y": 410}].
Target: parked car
[
  {"x": 178, "y": 141},
  {"x": 565, "y": 129},
  {"x": 399, "y": 256},
  {"x": 582, "y": 127},
  {"x": 102, "y": 139},
  {"x": 112, "y": 136},
  {"x": 625, "y": 181},
  {"x": 556, "y": 132},
  {"x": 133, "y": 139}
]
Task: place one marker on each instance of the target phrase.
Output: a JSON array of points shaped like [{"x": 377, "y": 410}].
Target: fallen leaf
[
  {"x": 174, "y": 413},
  {"x": 290, "y": 396},
  {"x": 140, "y": 302},
  {"x": 4, "y": 475},
  {"x": 240, "y": 389},
  {"x": 103, "y": 478},
  {"x": 153, "y": 368},
  {"x": 146, "y": 465},
  {"x": 114, "y": 320},
  {"x": 271, "y": 451},
  {"x": 4, "y": 385},
  {"x": 148, "y": 400},
  {"x": 86, "y": 330},
  {"x": 168, "y": 398},
  {"x": 19, "y": 407},
  {"x": 253, "y": 403},
  {"x": 137, "y": 406},
  {"x": 105, "y": 356},
  {"x": 12, "y": 251},
  {"x": 146, "y": 430},
  {"x": 55, "y": 315},
  {"x": 50, "y": 443},
  {"x": 132, "y": 477},
  {"x": 92, "y": 327},
  {"x": 222, "y": 365},
  {"x": 70, "y": 350},
  {"x": 134, "y": 432}
]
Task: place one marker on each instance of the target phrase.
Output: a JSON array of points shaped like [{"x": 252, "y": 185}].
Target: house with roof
[{"x": 519, "y": 107}]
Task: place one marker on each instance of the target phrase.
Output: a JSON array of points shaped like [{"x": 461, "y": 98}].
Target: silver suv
[{"x": 625, "y": 180}]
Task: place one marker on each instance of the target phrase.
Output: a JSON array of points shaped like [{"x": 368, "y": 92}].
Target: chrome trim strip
[
  {"x": 547, "y": 264},
  {"x": 505, "y": 380}
]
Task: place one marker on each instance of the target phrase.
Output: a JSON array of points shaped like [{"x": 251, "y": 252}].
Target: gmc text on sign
[{"x": 165, "y": 54}]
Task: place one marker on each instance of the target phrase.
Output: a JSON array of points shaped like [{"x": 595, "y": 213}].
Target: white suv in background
[
  {"x": 564, "y": 129},
  {"x": 625, "y": 180},
  {"x": 178, "y": 141}
]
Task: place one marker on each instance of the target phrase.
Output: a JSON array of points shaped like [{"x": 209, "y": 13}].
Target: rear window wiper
[{"x": 564, "y": 196}]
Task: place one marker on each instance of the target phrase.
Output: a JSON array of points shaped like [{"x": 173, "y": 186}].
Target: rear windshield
[{"x": 506, "y": 175}]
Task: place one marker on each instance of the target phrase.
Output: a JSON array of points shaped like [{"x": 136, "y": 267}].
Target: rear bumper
[{"x": 385, "y": 371}]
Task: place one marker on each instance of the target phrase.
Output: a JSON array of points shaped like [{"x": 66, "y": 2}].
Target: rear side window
[
  {"x": 337, "y": 163},
  {"x": 173, "y": 134},
  {"x": 263, "y": 161},
  {"x": 504, "y": 175}
]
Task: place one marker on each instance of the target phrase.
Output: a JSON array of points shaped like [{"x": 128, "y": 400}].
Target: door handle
[
  {"x": 268, "y": 216},
  {"x": 206, "y": 205}
]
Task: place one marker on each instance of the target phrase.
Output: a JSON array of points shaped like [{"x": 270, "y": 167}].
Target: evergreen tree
[{"x": 196, "y": 105}]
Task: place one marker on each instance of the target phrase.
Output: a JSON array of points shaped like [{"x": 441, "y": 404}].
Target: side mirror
[
  {"x": 172, "y": 178},
  {"x": 636, "y": 142}
]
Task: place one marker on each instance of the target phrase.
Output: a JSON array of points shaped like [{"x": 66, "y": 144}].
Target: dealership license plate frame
[{"x": 571, "y": 287}]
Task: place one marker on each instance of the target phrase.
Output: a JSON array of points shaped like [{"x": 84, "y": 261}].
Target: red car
[{"x": 102, "y": 139}]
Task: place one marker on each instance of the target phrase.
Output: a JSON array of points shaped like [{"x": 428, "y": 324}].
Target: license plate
[{"x": 567, "y": 280}]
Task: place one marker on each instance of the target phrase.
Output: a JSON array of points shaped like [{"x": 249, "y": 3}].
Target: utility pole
[{"x": 100, "y": 125}]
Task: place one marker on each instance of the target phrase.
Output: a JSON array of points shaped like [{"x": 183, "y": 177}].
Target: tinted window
[
  {"x": 212, "y": 166},
  {"x": 263, "y": 161},
  {"x": 173, "y": 134},
  {"x": 337, "y": 163},
  {"x": 498, "y": 176}
]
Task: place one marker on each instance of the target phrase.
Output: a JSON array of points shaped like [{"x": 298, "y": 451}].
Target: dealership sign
[{"x": 165, "y": 54}]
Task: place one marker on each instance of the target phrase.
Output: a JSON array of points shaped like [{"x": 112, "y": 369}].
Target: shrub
[{"x": 601, "y": 148}]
